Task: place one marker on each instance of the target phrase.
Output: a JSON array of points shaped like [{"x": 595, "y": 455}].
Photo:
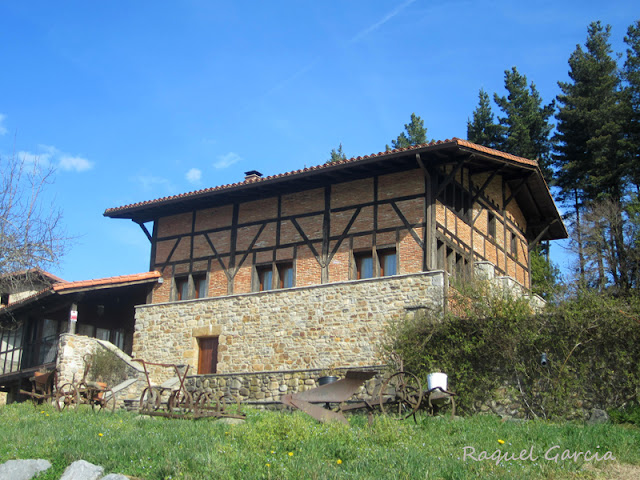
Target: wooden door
[{"x": 208, "y": 357}]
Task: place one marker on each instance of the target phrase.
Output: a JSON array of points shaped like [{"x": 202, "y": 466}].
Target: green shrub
[
  {"x": 628, "y": 414},
  {"x": 490, "y": 340},
  {"x": 107, "y": 367}
]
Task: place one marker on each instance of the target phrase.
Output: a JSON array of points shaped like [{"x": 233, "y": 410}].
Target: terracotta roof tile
[
  {"x": 323, "y": 166},
  {"x": 106, "y": 281}
]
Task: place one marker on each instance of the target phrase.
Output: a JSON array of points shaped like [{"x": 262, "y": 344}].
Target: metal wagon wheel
[
  {"x": 401, "y": 395},
  {"x": 106, "y": 401},
  {"x": 180, "y": 402},
  {"x": 67, "y": 397},
  {"x": 149, "y": 400},
  {"x": 226, "y": 400}
]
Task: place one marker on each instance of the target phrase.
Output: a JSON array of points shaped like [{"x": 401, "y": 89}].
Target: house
[
  {"x": 37, "y": 315},
  {"x": 306, "y": 269}
]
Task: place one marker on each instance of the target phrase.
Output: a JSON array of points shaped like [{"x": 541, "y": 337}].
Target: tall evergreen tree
[
  {"x": 632, "y": 78},
  {"x": 483, "y": 130},
  {"x": 415, "y": 134},
  {"x": 526, "y": 122},
  {"x": 592, "y": 152}
]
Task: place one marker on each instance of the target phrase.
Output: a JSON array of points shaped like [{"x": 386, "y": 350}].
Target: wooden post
[{"x": 73, "y": 318}]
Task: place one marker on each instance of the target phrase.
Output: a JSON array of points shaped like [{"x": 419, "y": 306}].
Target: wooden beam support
[
  {"x": 307, "y": 241},
  {"x": 484, "y": 186},
  {"x": 449, "y": 177},
  {"x": 535, "y": 241},
  {"x": 516, "y": 190},
  {"x": 144, "y": 229},
  {"x": 407, "y": 225}
]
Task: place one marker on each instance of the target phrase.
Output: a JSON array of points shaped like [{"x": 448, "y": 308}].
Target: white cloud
[
  {"x": 3, "y": 129},
  {"x": 47, "y": 155},
  {"x": 149, "y": 182},
  {"x": 194, "y": 175},
  {"x": 77, "y": 164},
  {"x": 227, "y": 160},
  {"x": 41, "y": 159}
]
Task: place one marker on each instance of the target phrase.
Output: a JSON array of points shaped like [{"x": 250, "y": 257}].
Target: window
[
  {"x": 208, "y": 355},
  {"x": 491, "y": 226},
  {"x": 388, "y": 261},
  {"x": 364, "y": 265},
  {"x": 4, "y": 299},
  {"x": 103, "y": 334},
  {"x": 182, "y": 288},
  {"x": 274, "y": 276},
  {"x": 191, "y": 286},
  {"x": 200, "y": 285},
  {"x": 285, "y": 274}
]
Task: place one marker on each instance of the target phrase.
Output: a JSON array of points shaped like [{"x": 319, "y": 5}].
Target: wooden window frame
[
  {"x": 200, "y": 280},
  {"x": 281, "y": 269},
  {"x": 261, "y": 271},
  {"x": 382, "y": 253}
]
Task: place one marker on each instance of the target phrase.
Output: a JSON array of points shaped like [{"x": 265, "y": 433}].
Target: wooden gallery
[{"x": 305, "y": 269}]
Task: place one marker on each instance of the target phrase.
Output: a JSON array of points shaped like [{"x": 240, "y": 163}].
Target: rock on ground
[
  {"x": 22, "y": 469},
  {"x": 82, "y": 470}
]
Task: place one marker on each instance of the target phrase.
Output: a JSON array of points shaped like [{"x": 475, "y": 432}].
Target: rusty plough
[{"x": 400, "y": 396}]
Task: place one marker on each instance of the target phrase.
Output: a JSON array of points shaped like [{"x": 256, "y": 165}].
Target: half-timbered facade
[{"x": 433, "y": 208}]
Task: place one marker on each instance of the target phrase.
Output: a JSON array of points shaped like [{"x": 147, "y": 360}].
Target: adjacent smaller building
[{"x": 36, "y": 314}]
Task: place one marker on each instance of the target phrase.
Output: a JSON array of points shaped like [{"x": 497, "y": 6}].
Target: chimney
[{"x": 252, "y": 176}]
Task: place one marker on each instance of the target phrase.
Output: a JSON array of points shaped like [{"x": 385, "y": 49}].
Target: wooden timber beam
[
  {"x": 535, "y": 241},
  {"x": 485, "y": 185},
  {"x": 144, "y": 229},
  {"x": 449, "y": 177},
  {"x": 515, "y": 191}
]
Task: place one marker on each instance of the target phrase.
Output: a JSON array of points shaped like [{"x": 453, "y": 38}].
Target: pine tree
[
  {"x": 336, "y": 155},
  {"x": 632, "y": 90},
  {"x": 483, "y": 130},
  {"x": 416, "y": 134},
  {"x": 592, "y": 157},
  {"x": 526, "y": 122}
]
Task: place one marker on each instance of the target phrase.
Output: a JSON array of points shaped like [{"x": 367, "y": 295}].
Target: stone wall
[
  {"x": 331, "y": 325},
  {"x": 265, "y": 389},
  {"x": 70, "y": 365}
]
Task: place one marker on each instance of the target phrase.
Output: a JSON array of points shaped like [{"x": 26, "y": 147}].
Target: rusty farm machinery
[
  {"x": 400, "y": 395},
  {"x": 172, "y": 400}
]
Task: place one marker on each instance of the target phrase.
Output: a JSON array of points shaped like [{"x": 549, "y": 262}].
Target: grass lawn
[{"x": 292, "y": 445}]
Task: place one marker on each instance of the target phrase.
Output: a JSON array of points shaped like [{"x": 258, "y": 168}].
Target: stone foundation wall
[
  {"x": 267, "y": 388},
  {"x": 318, "y": 327}
]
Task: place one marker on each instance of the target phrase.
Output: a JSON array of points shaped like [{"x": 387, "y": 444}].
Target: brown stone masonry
[{"x": 338, "y": 324}]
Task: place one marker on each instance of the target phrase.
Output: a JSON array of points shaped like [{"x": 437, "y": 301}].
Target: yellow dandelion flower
[
  {"x": 339, "y": 462},
  {"x": 501, "y": 442},
  {"x": 291, "y": 454},
  {"x": 47, "y": 415},
  {"x": 101, "y": 434},
  {"x": 272, "y": 452},
  {"x": 42, "y": 411},
  {"x": 268, "y": 465}
]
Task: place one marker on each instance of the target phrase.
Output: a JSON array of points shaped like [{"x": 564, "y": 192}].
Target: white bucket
[{"x": 437, "y": 379}]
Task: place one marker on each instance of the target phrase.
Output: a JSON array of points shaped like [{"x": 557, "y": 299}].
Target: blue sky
[{"x": 138, "y": 100}]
